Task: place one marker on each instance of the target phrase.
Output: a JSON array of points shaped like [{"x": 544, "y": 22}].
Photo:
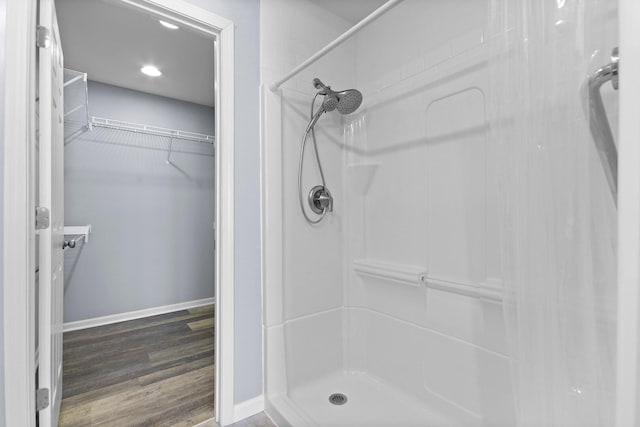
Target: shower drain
[{"x": 338, "y": 399}]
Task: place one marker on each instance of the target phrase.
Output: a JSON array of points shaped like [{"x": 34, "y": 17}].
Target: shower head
[{"x": 346, "y": 101}]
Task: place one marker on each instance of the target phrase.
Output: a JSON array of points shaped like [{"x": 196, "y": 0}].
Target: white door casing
[
  {"x": 51, "y": 196},
  {"x": 19, "y": 213}
]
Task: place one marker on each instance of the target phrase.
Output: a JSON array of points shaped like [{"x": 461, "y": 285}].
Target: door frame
[
  {"x": 628, "y": 331},
  {"x": 19, "y": 220}
]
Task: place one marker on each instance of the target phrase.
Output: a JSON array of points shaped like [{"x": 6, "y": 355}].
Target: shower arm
[{"x": 599, "y": 124}]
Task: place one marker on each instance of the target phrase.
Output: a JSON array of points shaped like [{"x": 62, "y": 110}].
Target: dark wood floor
[{"x": 156, "y": 371}]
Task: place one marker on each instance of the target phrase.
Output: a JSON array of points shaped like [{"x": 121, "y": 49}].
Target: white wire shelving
[
  {"x": 78, "y": 121},
  {"x": 76, "y": 104},
  {"x": 150, "y": 130}
]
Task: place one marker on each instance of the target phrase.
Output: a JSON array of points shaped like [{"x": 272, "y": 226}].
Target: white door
[{"x": 51, "y": 181}]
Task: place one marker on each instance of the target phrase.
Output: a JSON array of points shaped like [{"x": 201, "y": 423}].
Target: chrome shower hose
[{"x": 312, "y": 121}]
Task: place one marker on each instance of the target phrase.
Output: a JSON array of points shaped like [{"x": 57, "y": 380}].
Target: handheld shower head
[
  {"x": 330, "y": 102},
  {"x": 346, "y": 101}
]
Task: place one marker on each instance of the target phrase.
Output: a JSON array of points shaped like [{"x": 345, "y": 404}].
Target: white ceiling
[
  {"x": 351, "y": 10},
  {"x": 111, "y": 43}
]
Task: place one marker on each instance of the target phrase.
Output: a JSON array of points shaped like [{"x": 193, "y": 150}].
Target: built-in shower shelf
[
  {"x": 407, "y": 275},
  {"x": 490, "y": 289}
]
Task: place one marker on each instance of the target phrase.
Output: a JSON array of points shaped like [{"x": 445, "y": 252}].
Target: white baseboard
[
  {"x": 211, "y": 422},
  {"x": 248, "y": 408},
  {"x": 132, "y": 315}
]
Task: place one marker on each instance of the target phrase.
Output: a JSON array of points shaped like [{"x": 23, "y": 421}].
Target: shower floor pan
[{"x": 371, "y": 403}]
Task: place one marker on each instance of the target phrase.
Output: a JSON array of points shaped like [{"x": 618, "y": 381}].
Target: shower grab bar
[
  {"x": 337, "y": 42},
  {"x": 599, "y": 124}
]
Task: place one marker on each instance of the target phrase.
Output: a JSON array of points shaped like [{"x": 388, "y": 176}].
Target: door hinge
[
  {"x": 42, "y": 218},
  {"x": 42, "y": 398},
  {"x": 42, "y": 36}
]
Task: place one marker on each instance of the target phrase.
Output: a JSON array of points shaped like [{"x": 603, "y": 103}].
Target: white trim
[
  {"x": 628, "y": 214},
  {"x": 211, "y": 422},
  {"x": 184, "y": 13},
  {"x": 19, "y": 275},
  {"x": 19, "y": 264},
  {"x": 225, "y": 228},
  {"x": 133, "y": 315},
  {"x": 248, "y": 408}
]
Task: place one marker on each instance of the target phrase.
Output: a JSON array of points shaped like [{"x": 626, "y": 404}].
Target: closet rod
[
  {"x": 337, "y": 42},
  {"x": 151, "y": 130}
]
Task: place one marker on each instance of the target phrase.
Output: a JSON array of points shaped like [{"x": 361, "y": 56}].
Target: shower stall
[{"x": 440, "y": 242}]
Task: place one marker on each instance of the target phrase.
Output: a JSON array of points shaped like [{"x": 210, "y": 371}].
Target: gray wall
[
  {"x": 152, "y": 242},
  {"x": 248, "y": 319},
  {"x": 3, "y": 7},
  {"x": 118, "y": 103}
]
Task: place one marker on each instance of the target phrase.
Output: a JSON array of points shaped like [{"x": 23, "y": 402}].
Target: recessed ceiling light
[
  {"x": 151, "y": 70},
  {"x": 168, "y": 25}
]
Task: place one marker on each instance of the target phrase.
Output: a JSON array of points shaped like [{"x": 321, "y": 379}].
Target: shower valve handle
[
  {"x": 320, "y": 200},
  {"x": 326, "y": 201}
]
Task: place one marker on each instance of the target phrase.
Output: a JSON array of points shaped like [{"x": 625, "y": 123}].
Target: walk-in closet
[{"x": 139, "y": 205}]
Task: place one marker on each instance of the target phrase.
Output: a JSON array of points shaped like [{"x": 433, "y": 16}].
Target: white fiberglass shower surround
[{"x": 465, "y": 274}]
